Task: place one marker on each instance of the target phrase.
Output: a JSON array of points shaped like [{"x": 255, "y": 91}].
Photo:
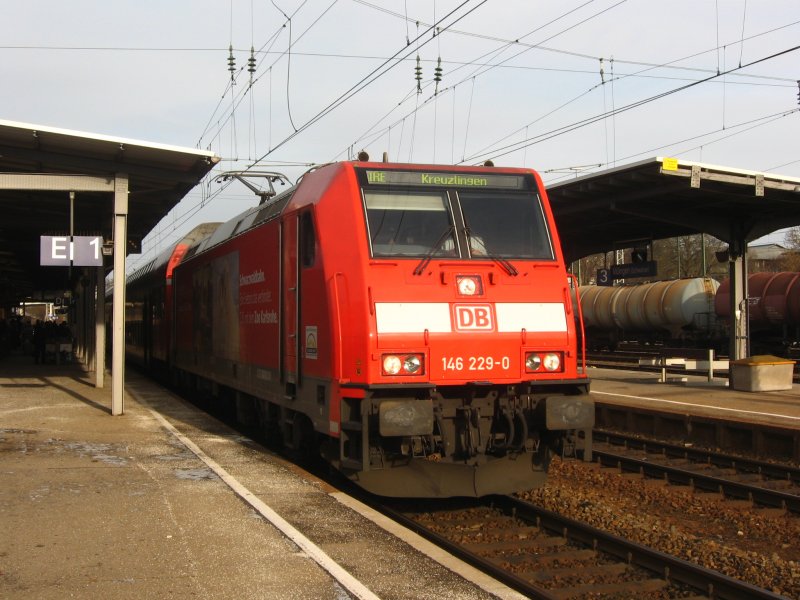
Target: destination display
[{"x": 438, "y": 179}]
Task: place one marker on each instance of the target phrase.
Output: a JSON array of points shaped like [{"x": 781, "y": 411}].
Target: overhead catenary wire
[
  {"x": 368, "y": 79},
  {"x": 368, "y": 133},
  {"x": 280, "y": 55},
  {"x": 593, "y": 119},
  {"x": 647, "y": 67},
  {"x": 741, "y": 43},
  {"x": 731, "y": 131},
  {"x": 540, "y": 47},
  {"x": 669, "y": 65},
  {"x": 271, "y": 40},
  {"x": 497, "y": 51}
]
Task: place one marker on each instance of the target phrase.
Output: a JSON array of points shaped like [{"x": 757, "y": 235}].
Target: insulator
[
  {"x": 231, "y": 62},
  {"x": 418, "y": 75},
  {"x": 251, "y": 62},
  {"x": 437, "y": 75}
]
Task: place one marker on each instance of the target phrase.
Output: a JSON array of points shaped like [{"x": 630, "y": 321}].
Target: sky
[{"x": 567, "y": 87}]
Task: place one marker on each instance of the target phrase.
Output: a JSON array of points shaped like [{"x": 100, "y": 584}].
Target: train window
[
  {"x": 404, "y": 223},
  {"x": 505, "y": 225},
  {"x": 308, "y": 240}
]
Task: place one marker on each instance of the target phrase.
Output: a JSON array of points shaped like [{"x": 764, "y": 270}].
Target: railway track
[
  {"x": 547, "y": 556},
  {"x": 761, "y": 483}
]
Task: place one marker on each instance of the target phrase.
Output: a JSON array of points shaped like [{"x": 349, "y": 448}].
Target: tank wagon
[
  {"x": 773, "y": 309},
  {"x": 412, "y": 324},
  {"x": 693, "y": 311}
]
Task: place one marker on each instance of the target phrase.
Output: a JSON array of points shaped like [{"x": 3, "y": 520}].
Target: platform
[
  {"x": 166, "y": 501},
  {"x": 694, "y": 394}
]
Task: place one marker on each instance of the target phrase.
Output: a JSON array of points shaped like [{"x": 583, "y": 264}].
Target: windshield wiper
[
  {"x": 481, "y": 246},
  {"x": 420, "y": 268},
  {"x": 507, "y": 266}
]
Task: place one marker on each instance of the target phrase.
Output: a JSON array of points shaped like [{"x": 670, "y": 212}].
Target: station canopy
[
  {"x": 663, "y": 197},
  {"x": 159, "y": 176}
]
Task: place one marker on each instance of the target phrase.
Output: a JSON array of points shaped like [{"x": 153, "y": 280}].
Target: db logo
[{"x": 473, "y": 317}]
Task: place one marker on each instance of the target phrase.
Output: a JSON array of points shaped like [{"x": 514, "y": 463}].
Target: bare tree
[
  {"x": 790, "y": 260},
  {"x": 676, "y": 257},
  {"x": 683, "y": 257}
]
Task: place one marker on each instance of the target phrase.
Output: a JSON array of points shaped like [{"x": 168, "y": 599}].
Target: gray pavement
[
  {"x": 693, "y": 394},
  {"x": 95, "y": 506}
]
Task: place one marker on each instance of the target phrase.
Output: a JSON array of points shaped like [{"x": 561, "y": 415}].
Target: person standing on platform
[{"x": 39, "y": 342}]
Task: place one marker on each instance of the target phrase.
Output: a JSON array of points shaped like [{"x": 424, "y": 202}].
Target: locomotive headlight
[
  {"x": 391, "y": 364},
  {"x": 412, "y": 363},
  {"x": 403, "y": 364},
  {"x": 552, "y": 361},
  {"x": 533, "y": 362},
  {"x": 543, "y": 361},
  {"x": 469, "y": 285}
]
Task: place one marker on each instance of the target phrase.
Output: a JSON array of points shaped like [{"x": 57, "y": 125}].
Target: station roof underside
[
  {"x": 159, "y": 176},
  {"x": 661, "y": 198}
]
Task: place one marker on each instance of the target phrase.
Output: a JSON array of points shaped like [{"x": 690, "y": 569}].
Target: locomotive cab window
[
  {"x": 308, "y": 240},
  {"x": 505, "y": 225},
  {"x": 403, "y": 223}
]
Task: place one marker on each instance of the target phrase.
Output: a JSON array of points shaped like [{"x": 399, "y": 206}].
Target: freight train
[
  {"x": 411, "y": 324},
  {"x": 693, "y": 311}
]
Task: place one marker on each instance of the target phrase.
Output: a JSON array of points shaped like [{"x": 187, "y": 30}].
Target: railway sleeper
[
  {"x": 559, "y": 557},
  {"x": 541, "y": 543},
  {"x": 629, "y": 588},
  {"x": 594, "y": 571},
  {"x": 472, "y": 524}
]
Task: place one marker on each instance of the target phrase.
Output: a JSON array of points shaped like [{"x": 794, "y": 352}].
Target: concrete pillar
[
  {"x": 739, "y": 309},
  {"x": 118, "y": 321},
  {"x": 100, "y": 328}
]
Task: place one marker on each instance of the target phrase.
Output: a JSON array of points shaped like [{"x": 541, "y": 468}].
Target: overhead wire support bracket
[{"x": 269, "y": 176}]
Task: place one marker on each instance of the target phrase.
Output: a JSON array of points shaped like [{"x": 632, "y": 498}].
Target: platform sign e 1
[{"x": 82, "y": 251}]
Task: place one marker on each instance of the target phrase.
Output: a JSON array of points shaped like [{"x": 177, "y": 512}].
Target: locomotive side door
[{"x": 290, "y": 291}]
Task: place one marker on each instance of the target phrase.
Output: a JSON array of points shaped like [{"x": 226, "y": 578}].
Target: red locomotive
[{"x": 413, "y": 324}]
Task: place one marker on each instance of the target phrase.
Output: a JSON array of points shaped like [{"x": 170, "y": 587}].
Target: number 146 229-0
[{"x": 475, "y": 363}]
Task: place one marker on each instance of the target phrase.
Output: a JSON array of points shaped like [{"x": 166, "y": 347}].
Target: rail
[
  {"x": 732, "y": 485},
  {"x": 668, "y": 569}
]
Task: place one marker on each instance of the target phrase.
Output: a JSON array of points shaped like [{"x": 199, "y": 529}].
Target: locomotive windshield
[
  {"x": 456, "y": 216},
  {"x": 409, "y": 223},
  {"x": 505, "y": 225}
]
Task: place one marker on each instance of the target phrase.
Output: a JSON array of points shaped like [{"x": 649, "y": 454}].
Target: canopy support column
[
  {"x": 100, "y": 327},
  {"x": 118, "y": 322},
  {"x": 739, "y": 342}
]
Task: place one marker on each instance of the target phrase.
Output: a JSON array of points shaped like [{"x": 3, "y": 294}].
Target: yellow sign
[{"x": 669, "y": 164}]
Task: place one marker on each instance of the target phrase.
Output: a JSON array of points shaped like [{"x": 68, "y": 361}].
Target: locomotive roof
[
  {"x": 158, "y": 265},
  {"x": 251, "y": 217},
  {"x": 663, "y": 197}
]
